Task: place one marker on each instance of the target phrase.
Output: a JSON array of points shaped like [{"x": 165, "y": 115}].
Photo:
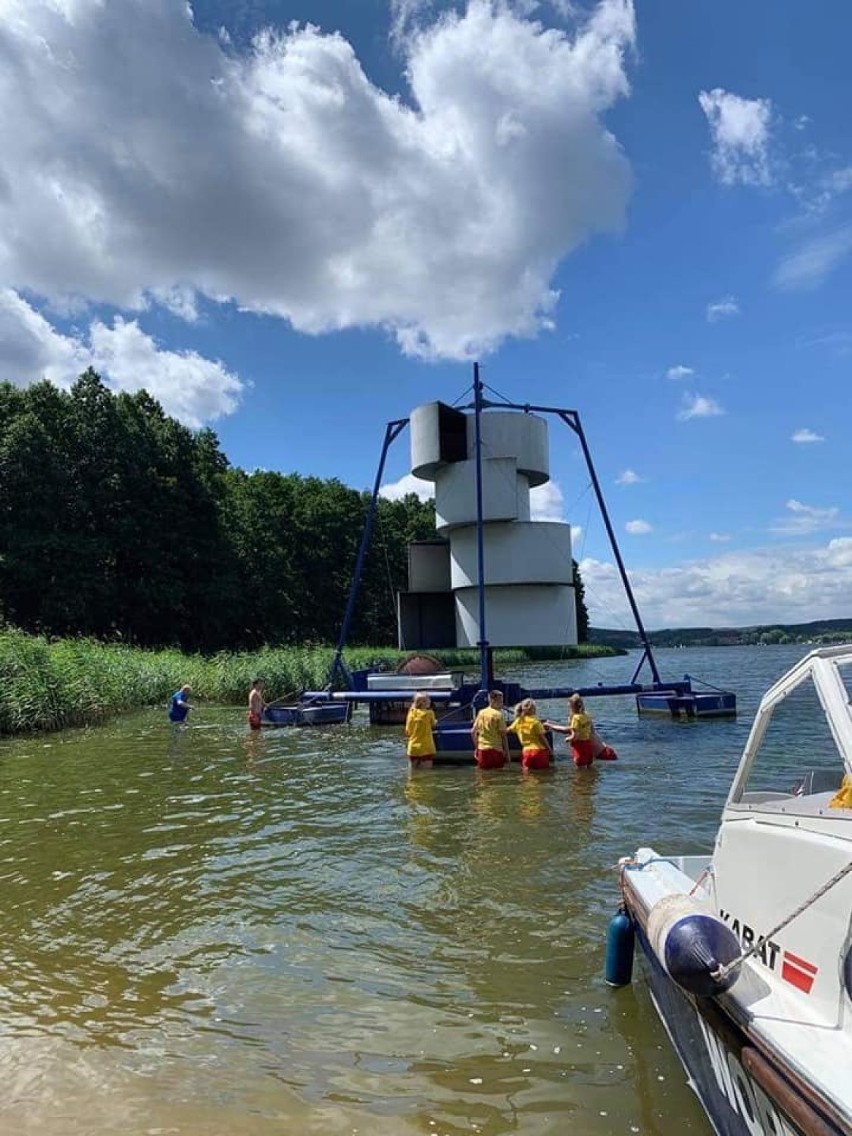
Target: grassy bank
[{"x": 49, "y": 684}]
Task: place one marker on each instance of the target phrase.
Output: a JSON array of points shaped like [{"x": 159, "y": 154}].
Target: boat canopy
[{"x": 807, "y": 711}]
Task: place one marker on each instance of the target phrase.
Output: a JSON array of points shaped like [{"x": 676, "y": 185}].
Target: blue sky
[{"x": 294, "y": 221}]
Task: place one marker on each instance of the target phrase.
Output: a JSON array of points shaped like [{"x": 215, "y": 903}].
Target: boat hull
[
  {"x": 316, "y": 714},
  {"x": 455, "y": 747},
  {"x": 717, "y": 1057},
  {"x": 704, "y": 704}
]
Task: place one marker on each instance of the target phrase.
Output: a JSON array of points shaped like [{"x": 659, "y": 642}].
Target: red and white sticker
[{"x": 798, "y": 972}]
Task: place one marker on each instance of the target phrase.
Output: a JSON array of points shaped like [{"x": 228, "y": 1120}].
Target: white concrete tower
[{"x": 529, "y": 578}]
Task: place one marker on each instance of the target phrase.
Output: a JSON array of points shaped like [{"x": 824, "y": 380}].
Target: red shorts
[
  {"x": 490, "y": 758},
  {"x": 254, "y": 720},
  {"x": 535, "y": 758},
  {"x": 583, "y": 752}
]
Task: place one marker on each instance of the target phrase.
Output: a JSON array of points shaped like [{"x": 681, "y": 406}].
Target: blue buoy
[
  {"x": 696, "y": 946},
  {"x": 620, "y": 938}
]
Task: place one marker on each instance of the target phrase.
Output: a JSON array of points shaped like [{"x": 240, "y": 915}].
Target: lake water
[{"x": 205, "y": 931}]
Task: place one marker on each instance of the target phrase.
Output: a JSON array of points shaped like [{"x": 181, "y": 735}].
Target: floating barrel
[
  {"x": 691, "y": 944},
  {"x": 618, "y": 968}
]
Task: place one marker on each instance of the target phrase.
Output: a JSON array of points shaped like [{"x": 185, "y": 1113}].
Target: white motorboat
[{"x": 748, "y": 950}]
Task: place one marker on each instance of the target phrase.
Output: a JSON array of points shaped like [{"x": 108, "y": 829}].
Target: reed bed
[{"x": 50, "y": 684}]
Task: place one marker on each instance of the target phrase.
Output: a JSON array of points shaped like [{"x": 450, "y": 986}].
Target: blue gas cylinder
[{"x": 620, "y": 938}]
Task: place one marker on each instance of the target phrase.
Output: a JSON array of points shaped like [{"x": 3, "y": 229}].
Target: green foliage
[
  {"x": 46, "y": 685},
  {"x": 118, "y": 523},
  {"x": 582, "y": 610}
]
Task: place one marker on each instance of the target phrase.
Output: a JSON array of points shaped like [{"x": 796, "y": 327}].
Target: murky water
[{"x": 208, "y": 932}]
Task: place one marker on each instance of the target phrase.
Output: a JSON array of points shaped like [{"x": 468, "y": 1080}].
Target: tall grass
[{"x": 48, "y": 684}]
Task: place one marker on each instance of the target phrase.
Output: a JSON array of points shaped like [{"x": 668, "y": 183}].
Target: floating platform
[
  {"x": 689, "y": 704},
  {"x": 312, "y": 713},
  {"x": 484, "y": 459},
  {"x": 399, "y": 689}
]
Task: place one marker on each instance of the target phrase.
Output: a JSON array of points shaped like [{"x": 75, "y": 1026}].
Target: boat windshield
[{"x": 798, "y": 766}]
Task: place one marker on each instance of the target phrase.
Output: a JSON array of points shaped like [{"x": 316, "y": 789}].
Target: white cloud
[
  {"x": 817, "y": 186},
  {"x": 31, "y": 349},
  {"x": 719, "y": 538},
  {"x": 180, "y": 300},
  {"x": 840, "y": 342},
  {"x": 638, "y": 528},
  {"x": 721, "y": 309},
  {"x": 628, "y": 477},
  {"x": 735, "y": 589},
  {"x": 814, "y": 178},
  {"x": 407, "y": 16},
  {"x": 697, "y": 406},
  {"x": 805, "y": 435},
  {"x": 193, "y": 389},
  {"x": 546, "y": 502},
  {"x": 396, "y": 490},
  {"x": 141, "y": 161},
  {"x": 679, "y": 372},
  {"x": 189, "y": 387},
  {"x": 802, "y": 520},
  {"x": 739, "y": 129},
  {"x": 837, "y": 181},
  {"x": 812, "y": 262}
]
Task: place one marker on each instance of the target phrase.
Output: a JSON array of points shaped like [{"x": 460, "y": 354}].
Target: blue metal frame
[
  {"x": 392, "y": 432},
  {"x": 484, "y": 651},
  {"x": 571, "y": 419}
]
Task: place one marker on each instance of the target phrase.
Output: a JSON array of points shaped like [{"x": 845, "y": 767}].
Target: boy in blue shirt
[{"x": 178, "y": 705}]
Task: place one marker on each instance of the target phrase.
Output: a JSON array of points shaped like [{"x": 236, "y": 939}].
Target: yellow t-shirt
[
  {"x": 489, "y": 728},
  {"x": 581, "y": 724},
  {"x": 530, "y": 732},
  {"x": 419, "y": 725}
]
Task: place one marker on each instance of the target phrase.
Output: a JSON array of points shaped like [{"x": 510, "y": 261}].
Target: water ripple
[{"x": 206, "y": 930}]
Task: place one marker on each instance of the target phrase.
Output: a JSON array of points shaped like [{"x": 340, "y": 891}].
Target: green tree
[
  {"x": 117, "y": 521},
  {"x": 582, "y": 610}
]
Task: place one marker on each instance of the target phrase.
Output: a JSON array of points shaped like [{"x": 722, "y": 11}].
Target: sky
[{"x": 295, "y": 220}]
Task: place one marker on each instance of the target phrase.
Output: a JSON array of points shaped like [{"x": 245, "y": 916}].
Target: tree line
[{"x": 118, "y": 522}]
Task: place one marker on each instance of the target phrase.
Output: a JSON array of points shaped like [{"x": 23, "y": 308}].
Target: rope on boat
[
  {"x": 704, "y": 875},
  {"x": 723, "y": 971}
]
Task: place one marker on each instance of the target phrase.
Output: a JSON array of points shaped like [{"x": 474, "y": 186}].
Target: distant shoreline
[{"x": 820, "y": 632}]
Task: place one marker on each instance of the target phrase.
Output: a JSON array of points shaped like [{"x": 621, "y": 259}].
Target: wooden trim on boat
[
  {"x": 791, "y": 1099},
  {"x": 814, "y": 1114}
]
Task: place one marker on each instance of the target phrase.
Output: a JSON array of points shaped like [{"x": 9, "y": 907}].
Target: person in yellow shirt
[
  {"x": 580, "y": 732},
  {"x": 535, "y": 748},
  {"x": 419, "y": 724},
  {"x": 488, "y": 732}
]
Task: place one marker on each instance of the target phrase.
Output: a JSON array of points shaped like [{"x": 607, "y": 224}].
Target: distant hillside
[{"x": 820, "y": 631}]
